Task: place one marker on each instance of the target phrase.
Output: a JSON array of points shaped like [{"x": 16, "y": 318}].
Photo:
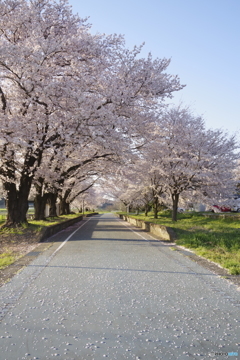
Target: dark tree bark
[
  {"x": 17, "y": 201},
  {"x": 68, "y": 210},
  {"x": 147, "y": 209},
  {"x": 40, "y": 201},
  {"x": 64, "y": 204},
  {"x": 16, "y": 204},
  {"x": 175, "y": 198},
  {"x": 64, "y": 207},
  {"x": 52, "y": 201},
  {"x": 17, "y": 198},
  {"x": 40, "y": 205},
  {"x": 155, "y": 207}
]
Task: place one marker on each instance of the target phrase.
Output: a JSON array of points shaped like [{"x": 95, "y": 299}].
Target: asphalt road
[{"x": 105, "y": 289}]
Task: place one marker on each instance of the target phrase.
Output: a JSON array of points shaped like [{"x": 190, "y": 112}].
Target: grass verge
[
  {"x": 38, "y": 224},
  {"x": 51, "y": 221},
  {"x": 217, "y": 240},
  {"x": 6, "y": 259}
]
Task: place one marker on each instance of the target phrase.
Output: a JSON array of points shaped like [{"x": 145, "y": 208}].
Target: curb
[
  {"x": 54, "y": 229},
  {"x": 161, "y": 231}
]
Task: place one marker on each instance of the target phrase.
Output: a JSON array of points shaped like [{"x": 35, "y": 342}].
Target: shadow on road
[{"x": 119, "y": 269}]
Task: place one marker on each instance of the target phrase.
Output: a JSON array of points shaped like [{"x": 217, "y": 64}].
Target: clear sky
[{"x": 202, "y": 38}]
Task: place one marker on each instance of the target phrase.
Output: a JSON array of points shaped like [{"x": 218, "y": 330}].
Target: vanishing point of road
[{"x": 106, "y": 290}]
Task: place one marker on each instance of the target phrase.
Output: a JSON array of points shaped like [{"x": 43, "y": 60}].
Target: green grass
[
  {"x": 9, "y": 231},
  {"x": 3, "y": 214},
  {"x": 37, "y": 224},
  {"x": 215, "y": 239},
  {"x": 53, "y": 220},
  {"x": 6, "y": 259}
]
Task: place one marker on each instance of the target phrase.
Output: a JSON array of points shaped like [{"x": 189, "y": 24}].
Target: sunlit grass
[
  {"x": 54, "y": 220},
  {"x": 36, "y": 225},
  {"x": 11, "y": 231},
  {"x": 47, "y": 222},
  {"x": 227, "y": 259},
  {"x": 6, "y": 259}
]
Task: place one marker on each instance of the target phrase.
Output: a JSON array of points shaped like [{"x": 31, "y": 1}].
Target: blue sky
[{"x": 202, "y": 38}]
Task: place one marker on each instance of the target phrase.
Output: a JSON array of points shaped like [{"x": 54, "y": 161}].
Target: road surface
[{"x": 106, "y": 290}]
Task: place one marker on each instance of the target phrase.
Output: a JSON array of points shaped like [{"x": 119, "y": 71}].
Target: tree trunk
[
  {"x": 64, "y": 207},
  {"x": 17, "y": 202},
  {"x": 67, "y": 208},
  {"x": 175, "y": 198},
  {"x": 64, "y": 204},
  {"x": 17, "y": 199},
  {"x": 40, "y": 201},
  {"x": 155, "y": 207},
  {"x": 147, "y": 209},
  {"x": 39, "y": 206},
  {"x": 52, "y": 200}
]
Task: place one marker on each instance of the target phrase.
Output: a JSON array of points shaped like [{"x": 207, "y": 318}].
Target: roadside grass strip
[
  {"x": 217, "y": 240},
  {"x": 6, "y": 259}
]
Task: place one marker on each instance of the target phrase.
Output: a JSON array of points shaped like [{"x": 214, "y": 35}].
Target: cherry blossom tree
[
  {"x": 179, "y": 161},
  {"x": 237, "y": 177},
  {"x": 38, "y": 41},
  {"x": 64, "y": 179},
  {"x": 90, "y": 199},
  {"x": 188, "y": 157},
  {"x": 58, "y": 81}
]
